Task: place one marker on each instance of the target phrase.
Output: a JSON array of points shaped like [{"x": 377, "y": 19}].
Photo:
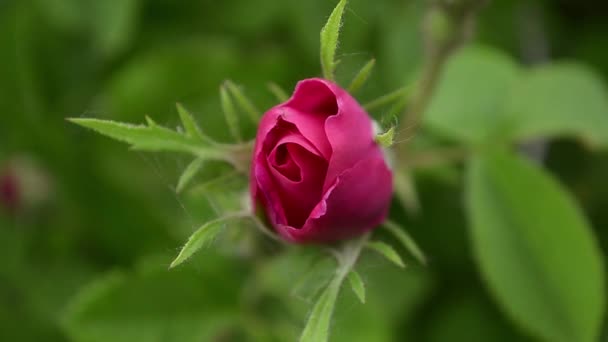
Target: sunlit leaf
[
  {"x": 190, "y": 125},
  {"x": 205, "y": 234},
  {"x": 362, "y": 76},
  {"x": 329, "y": 40},
  {"x": 535, "y": 249},
  {"x": 149, "y": 138},
  {"x": 387, "y": 251},
  {"x": 387, "y": 138},
  {"x": 357, "y": 284},
  {"x": 317, "y": 327}
]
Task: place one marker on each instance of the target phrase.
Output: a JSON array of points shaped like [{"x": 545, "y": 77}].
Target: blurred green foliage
[{"x": 84, "y": 256}]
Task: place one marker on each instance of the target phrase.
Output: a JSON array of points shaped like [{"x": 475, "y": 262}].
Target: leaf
[
  {"x": 149, "y": 138},
  {"x": 190, "y": 125},
  {"x": 187, "y": 304},
  {"x": 191, "y": 170},
  {"x": 329, "y": 40},
  {"x": 246, "y": 105},
  {"x": 469, "y": 102},
  {"x": 387, "y": 251},
  {"x": 387, "y": 138},
  {"x": 278, "y": 92},
  {"x": 356, "y": 283},
  {"x": 230, "y": 114},
  {"x": 405, "y": 189},
  {"x": 535, "y": 249},
  {"x": 563, "y": 99},
  {"x": 406, "y": 240},
  {"x": 317, "y": 327},
  {"x": 206, "y": 233},
  {"x": 392, "y": 97},
  {"x": 362, "y": 76}
]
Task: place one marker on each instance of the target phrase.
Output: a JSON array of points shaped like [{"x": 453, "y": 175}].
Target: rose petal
[{"x": 354, "y": 204}]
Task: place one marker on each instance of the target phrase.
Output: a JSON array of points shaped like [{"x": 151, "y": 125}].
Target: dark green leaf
[
  {"x": 406, "y": 240},
  {"x": 387, "y": 251}
]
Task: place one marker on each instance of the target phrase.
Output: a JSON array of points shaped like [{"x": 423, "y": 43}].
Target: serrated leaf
[
  {"x": 206, "y": 233},
  {"x": 387, "y": 251},
  {"x": 357, "y": 284},
  {"x": 535, "y": 249},
  {"x": 230, "y": 114},
  {"x": 390, "y": 98},
  {"x": 329, "y": 40},
  {"x": 387, "y": 138},
  {"x": 317, "y": 326},
  {"x": 243, "y": 101},
  {"x": 362, "y": 76},
  {"x": 149, "y": 138},
  {"x": 278, "y": 92},
  {"x": 406, "y": 240},
  {"x": 190, "y": 125},
  {"x": 189, "y": 172}
]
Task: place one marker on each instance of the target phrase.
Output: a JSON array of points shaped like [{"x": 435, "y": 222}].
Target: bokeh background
[{"x": 87, "y": 228}]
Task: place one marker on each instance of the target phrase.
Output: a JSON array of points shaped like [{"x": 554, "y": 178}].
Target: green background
[{"x": 84, "y": 256}]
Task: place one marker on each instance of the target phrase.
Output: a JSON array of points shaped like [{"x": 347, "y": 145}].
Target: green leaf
[
  {"x": 190, "y": 125},
  {"x": 387, "y": 251},
  {"x": 406, "y": 240},
  {"x": 405, "y": 189},
  {"x": 387, "y": 138},
  {"x": 191, "y": 170},
  {"x": 362, "y": 76},
  {"x": 535, "y": 249},
  {"x": 151, "y": 304},
  {"x": 149, "y": 138},
  {"x": 469, "y": 102},
  {"x": 563, "y": 99},
  {"x": 390, "y": 98},
  {"x": 205, "y": 234},
  {"x": 278, "y": 92},
  {"x": 230, "y": 114},
  {"x": 329, "y": 40},
  {"x": 243, "y": 101},
  {"x": 356, "y": 283},
  {"x": 317, "y": 327}
]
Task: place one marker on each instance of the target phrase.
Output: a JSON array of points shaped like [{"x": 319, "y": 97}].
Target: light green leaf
[
  {"x": 278, "y": 92},
  {"x": 362, "y": 76},
  {"x": 469, "y": 102},
  {"x": 564, "y": 99},
  {"x": 387, "y": 251},
  {"x": 405, "y": 189},
  {"x": 191, "y": 170},
  {"x": 243, "y": 101},
  {"x": 190, "y": 125},
  {"x": 329, "y": 40},
  {"x": 387, "y": 138},
  {"x": 357, "y": 284},
  {"x": 390, "y": 98},
  {"x": 149, "y": 138},
  {"x": 406, "y": 240},
  {"x": 317, "y": 327},
  {"x": 205, "y": 234},
  {"x": 535, "y": 249}
]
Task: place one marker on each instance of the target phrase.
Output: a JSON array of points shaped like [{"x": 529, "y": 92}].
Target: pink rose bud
[{"x": 316, "y": 170}]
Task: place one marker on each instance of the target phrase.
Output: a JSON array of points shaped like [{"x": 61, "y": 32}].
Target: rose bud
[{"x": 316, "y": 170}]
